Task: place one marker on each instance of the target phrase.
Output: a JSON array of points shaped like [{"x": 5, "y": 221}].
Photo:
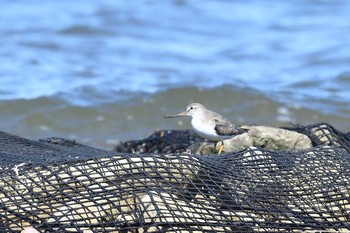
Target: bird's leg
[
  {"x": 215, "y": 143},
  {"x": 221, "y": 147}
]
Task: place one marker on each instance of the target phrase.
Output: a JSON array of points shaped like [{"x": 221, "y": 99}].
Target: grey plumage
[
  {"x": 226, "y": 130},
  {"x": 224, "y": 127}
]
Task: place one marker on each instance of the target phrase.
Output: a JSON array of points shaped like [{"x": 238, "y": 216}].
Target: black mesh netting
[{"x": 67, "y": 187}]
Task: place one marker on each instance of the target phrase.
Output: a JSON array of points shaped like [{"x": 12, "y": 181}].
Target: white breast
[{"x": 205, "y": 129}]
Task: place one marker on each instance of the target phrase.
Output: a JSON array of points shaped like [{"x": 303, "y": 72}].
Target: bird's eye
[{"x": 191, "y": 108}]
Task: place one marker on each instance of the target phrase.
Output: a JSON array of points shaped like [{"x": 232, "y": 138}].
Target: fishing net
[{"x": 56, "y": 185}]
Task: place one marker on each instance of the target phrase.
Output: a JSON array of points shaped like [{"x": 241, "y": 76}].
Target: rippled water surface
[{"x": 105, "y": 71}]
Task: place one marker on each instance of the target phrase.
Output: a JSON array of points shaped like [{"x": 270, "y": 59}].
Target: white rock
[{"x": 29, "y": 230}]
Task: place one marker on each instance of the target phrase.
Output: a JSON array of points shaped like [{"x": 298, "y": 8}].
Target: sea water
[{"x": 100, "y": 72}]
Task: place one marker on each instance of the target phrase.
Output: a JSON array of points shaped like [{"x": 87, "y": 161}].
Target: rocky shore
[{"x": 269, "y": 180}]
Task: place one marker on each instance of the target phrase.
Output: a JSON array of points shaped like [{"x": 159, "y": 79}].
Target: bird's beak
[{"x": 185, "y": 113}]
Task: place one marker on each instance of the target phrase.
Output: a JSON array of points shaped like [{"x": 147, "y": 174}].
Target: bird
[{"x": 210, "y": 125}]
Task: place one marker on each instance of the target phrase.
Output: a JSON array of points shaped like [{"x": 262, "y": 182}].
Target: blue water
[{"x": 90, "y": 53}]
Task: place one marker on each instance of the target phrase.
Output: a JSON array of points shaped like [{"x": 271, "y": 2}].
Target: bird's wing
[
  {"x": 224, "y": 127},
  {"x": 229, "y": 131}
]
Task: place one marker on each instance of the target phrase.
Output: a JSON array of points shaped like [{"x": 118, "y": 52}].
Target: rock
[
  {"x": 158, "y": 208},
  {"x": 256, "y": 189},
  {"x": 268, "y": 137},
  {"x": 188, "y": 142},
  {"x": 239, "y": 142},
  {"x": 163, "y": 142},
  {"x": 29, "y": 230}
]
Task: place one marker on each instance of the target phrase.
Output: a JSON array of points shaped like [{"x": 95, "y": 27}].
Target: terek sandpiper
[{"x": 210, "y": 125}]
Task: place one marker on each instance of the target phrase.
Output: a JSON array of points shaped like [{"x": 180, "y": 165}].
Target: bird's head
[{"x": 191, "y": 110}]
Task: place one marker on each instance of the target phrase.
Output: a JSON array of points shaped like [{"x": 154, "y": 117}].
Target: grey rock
[{"x": 268, "y": 137}]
